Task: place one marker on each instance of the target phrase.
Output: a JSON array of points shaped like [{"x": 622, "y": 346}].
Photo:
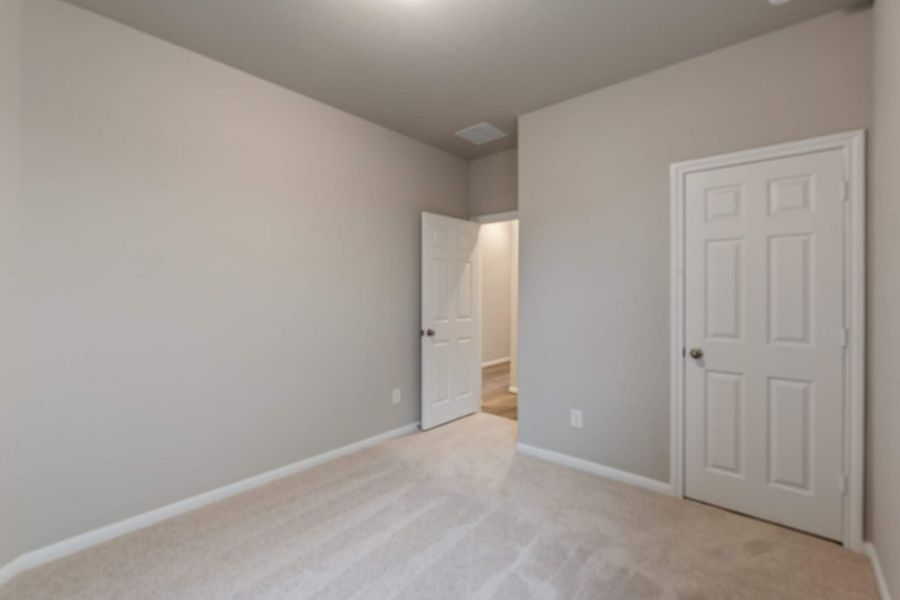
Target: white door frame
[
  {"x": 510, "y": 215},
  {"x": 852, "y": 144}
]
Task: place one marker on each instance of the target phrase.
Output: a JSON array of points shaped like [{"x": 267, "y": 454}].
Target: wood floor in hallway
[{"x": 497, "y": 399}]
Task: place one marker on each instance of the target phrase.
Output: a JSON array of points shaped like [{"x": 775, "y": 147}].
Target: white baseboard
[
  {"x": 872, "y": 553},
  {"x": 513, "y": 389},
  {"x": 495, "y": 362},
  {"x": 11, "y": 569},
  {"x": 74, "y": 544},
  {"x": 653, "y": 485}
]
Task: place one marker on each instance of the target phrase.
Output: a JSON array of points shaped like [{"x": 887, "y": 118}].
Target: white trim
[
  {"x": 85, "y": 540},
  {"x": 11, "y": 569},
  {"x": 495, "y": 362},
  {"x": 565, "y": 460},
  {"x": 852, "y": 143},
  {"x": 513, "y": 389},
  {"x": 511, "y": 215},
  {"x": 872, "y": 553},
  {"x": 855, "y": 355}
]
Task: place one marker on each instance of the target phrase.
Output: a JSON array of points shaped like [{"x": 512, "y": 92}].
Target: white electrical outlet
[
  {"x": 575, "y": 418},
  {"x": 396, "y": 396}
]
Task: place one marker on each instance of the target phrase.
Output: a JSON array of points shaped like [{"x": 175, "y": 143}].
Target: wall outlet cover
[{"x": 575, "y": 419}]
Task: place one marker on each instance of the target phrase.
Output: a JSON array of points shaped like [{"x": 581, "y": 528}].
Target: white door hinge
[
  {"x": 842, "y": 483},
  {"x": 845, "y": 190},
  {"x": 845, "y": 337}
]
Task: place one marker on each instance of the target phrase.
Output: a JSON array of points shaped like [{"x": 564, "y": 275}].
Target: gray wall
[
  {"x": 218, "y": 276},
  {"x": 10, "y": 121},
  {"x": 594, "y": 210},
  {"x": 493, "y": 183},
  {"x": 883, "y": 523}
]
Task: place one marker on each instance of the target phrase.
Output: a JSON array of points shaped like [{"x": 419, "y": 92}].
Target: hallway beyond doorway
[{"x": 496, "y": 397}]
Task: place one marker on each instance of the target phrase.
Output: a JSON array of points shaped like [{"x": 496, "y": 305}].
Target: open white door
[{"x": 451, "y": 320}]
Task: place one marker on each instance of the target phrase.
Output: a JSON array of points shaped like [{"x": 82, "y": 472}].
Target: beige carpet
[{"x": 454, "y": 513}]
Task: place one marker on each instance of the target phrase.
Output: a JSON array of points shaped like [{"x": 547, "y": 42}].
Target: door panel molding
[
  {"x": 790, "y": 199},
  {"x": 451, "y": 320}
]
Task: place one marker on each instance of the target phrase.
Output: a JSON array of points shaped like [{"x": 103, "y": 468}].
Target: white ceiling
[{"x": 428, "y": 68}]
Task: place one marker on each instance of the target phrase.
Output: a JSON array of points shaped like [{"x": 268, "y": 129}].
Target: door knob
[
  {"x": 696, "y": 353},
  {"x": 430, "y": 333}
]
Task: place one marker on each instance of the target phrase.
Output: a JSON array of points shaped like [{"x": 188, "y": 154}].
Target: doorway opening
[{"x": 499, "y": 249}]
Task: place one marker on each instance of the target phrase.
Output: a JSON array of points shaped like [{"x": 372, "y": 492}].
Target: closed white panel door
[
  {"x": 451, "y": 320},
  {"x": 764, "y": 328}
]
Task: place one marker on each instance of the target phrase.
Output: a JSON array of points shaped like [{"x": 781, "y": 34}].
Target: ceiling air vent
[{"x": 481, "y": 133}]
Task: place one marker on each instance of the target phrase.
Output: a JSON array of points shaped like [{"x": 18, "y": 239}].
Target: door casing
[{"x": 852, "y": 145}]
